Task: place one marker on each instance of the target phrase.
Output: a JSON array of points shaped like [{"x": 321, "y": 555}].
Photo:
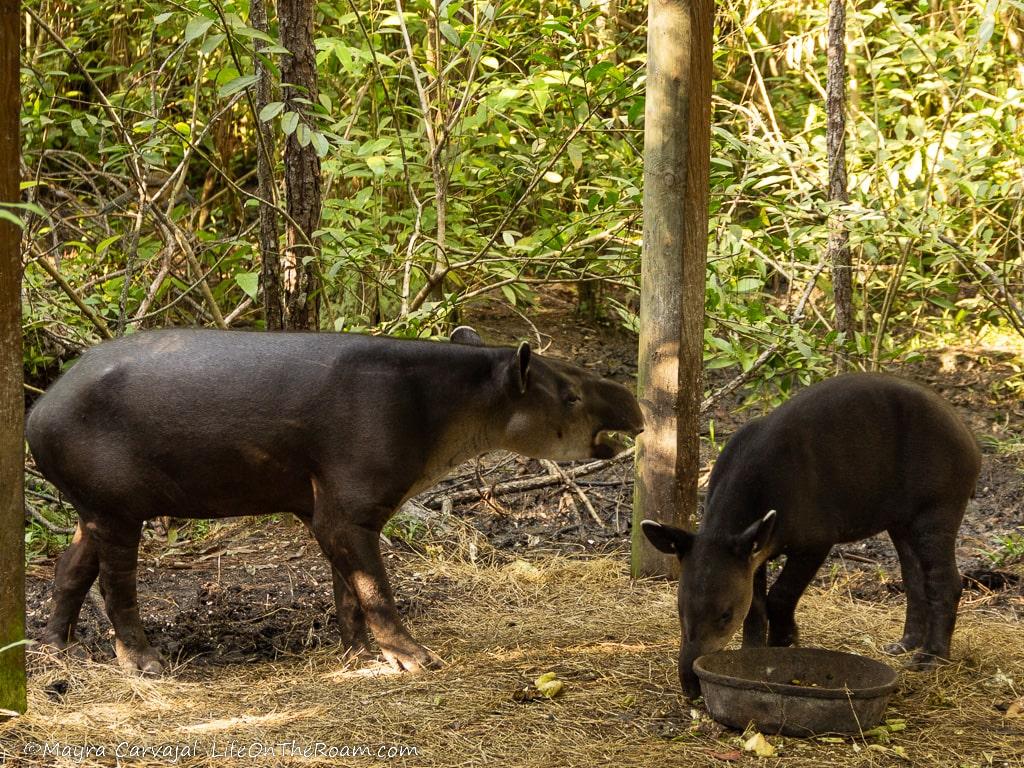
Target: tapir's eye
[
  {"x": 571, "y": 397},
  {"x": 725, "y": 618}
]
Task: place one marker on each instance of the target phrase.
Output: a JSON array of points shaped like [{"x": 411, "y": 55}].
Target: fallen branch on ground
[
  {"x": 31, "y": 513},
  {"x": 524, "y": 484}
]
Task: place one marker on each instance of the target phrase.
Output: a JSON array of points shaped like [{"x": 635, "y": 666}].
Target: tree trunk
[
  {"x": 270, "y": 253},
  {"x": 12, "y": 398},
  {"x": 677, "y": 148},
  {"x": 838, "y": 252},
  {"x": 301, "y": 166}
]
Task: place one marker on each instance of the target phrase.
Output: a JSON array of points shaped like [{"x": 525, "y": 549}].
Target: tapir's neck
[{"x": 471, "y": 423}]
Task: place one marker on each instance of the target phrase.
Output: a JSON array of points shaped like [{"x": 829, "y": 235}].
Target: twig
[
  {"x": 237, "y": 311},
  {"x": 524, "y": 484},
  {"x": 35, "y": 514},
  {"x": 557, "y": 472},
  {"x": 95, "y": 319}
]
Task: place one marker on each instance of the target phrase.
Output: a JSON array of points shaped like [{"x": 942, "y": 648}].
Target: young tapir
[
  {"x": 842, "y": 460},
  {"x": 337, "y": 429}
]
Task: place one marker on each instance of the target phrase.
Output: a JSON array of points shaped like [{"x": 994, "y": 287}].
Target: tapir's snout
[
  {"x": 618, "y": 409},
  {"x": 618, "y": 412}
]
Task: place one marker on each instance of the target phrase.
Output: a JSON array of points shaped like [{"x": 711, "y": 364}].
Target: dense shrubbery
[{"x": 536, "y": 111}]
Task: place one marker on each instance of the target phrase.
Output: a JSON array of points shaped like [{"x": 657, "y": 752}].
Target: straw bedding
[{"x": 500, "y": 625}]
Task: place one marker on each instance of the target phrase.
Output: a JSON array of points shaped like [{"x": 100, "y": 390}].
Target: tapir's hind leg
[
  {"x": 76, "y": 571},
  {"x": 935, "y": 548},
  {"x": 785, "y": 593},
  {"x": 916, "y": 624},
  {"x": 119, "y": 556}
]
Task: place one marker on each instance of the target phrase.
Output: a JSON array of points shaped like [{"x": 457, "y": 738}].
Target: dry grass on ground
[{"x": 611, "y": 640}]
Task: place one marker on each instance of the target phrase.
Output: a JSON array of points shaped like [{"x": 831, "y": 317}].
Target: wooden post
[
  {"x": 12, "y": 398},
  {"x": 677, "y": 148}
]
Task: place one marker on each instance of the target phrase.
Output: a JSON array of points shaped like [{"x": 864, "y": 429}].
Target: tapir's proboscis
[
  {"x": 338, "y": 429},
  {"x": 842, "y": 460}
]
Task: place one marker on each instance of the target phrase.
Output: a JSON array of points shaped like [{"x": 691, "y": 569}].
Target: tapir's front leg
[
  {"x": 351, "y": 620},
  {"x": 755, "y": 626},
  {"x": 354, "y": 550}
]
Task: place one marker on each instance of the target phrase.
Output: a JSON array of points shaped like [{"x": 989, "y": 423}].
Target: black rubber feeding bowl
[{"x": 795, "y": 691}]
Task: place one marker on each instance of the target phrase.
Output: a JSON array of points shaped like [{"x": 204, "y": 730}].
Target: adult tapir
[
  {"x": 338, "y": 429},
  {"x": 842, "y": 460}
]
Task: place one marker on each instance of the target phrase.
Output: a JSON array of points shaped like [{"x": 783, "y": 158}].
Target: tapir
[
  {"x": 842, "y": 460},
  {"x": 338, "y": 429}
]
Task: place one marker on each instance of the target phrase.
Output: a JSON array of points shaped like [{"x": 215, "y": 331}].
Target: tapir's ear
[
  {"x": 521, "y": 367},
  {"x": 756, "y": 537},
  {"x": 466, "y": 335},
  {"x": 667, "y": 539}
]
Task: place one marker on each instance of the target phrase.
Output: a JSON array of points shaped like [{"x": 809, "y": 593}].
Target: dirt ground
[
  {"x": 259, "y": 680},
  {"x": 239, "y": 599}
]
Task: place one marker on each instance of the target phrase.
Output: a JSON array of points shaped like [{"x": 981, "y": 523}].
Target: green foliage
[
  {"x": 1009, "y": 549},
  {"x": 499, "y": 145}
]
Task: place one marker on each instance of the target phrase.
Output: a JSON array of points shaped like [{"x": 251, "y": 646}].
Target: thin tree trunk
[
  {"x": 270, "y": 253},
  {"x": 677, "y": 149},
  {"x": 12, "y": 398},
  {"x": 438, "y": 168},
  {"x": 301, "y": 166},
  {"x": 838, "y": 252}
]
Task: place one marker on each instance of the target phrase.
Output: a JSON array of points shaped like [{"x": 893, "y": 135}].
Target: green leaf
[
  {"x": 196, "y": 28},
  {"x": 449, "y": 33},
  {"x": 238, "y": 84},
  {"x": 6, "y": 215},
  {"x": 105, "y": 244},
  {"x": 255, "y": 34},
  {"x": 599, "y": 70},
  {"x": 377, "y": 164},
  {"x": 248, "y": 282},
  {"x": 78, "y": 128},
  {"x": 271, "y": 110},
  {"x": 212, "y": 43},
  {"x": 575, "y": 156},
  {"x": 289, "y": 123},
  {"x": 320, "y": 143},
  {"x": 302, "y": 135}
]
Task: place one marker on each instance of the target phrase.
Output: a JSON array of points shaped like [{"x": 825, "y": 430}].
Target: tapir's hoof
[
  {"x": 922, "y": 661},
  {"x": 783, "y": 639},
  {"x": 412, "y": 658},
  {"x": 905, "y": 645},
  {"x": 145, "y": 662}
]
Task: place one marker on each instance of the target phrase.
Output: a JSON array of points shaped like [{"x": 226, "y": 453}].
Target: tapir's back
[
  {"x": 850, "y": 455},
  {"x": 227, "y": 419}
]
